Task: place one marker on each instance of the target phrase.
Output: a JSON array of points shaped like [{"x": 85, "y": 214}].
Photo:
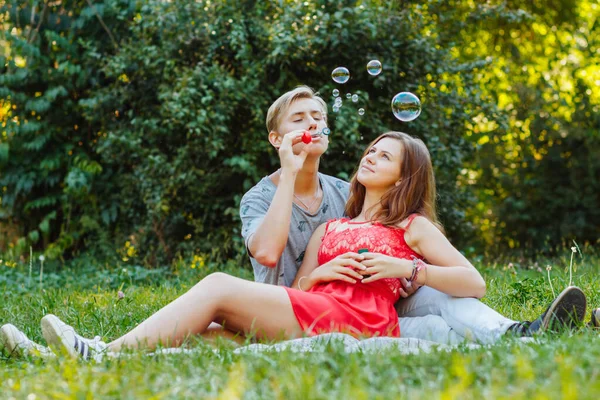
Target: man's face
[{"x": 305, "y": 114}]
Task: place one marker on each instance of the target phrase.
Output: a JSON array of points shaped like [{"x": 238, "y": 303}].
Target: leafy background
[{"x": 138, "y": 125}]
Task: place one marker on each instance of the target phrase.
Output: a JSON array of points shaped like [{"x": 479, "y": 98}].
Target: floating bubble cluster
[
  {"x": 406, "y": 106},
  {"x": 374, "y": 67},
  {"x": 340, "y": 75}
]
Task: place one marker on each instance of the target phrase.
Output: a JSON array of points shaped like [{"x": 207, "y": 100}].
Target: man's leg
[
  {"x": 429, "y": 327},
  {"x": 474, "y": 320},
  {"x": 467, "y": 317}
]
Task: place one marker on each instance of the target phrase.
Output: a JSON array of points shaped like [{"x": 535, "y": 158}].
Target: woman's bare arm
[
  {"x": 310, "y": 262},
  {"x": 448, "y": 270}
]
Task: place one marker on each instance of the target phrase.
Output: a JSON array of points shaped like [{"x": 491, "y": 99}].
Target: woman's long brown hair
[{"x": 415, "y": 193}]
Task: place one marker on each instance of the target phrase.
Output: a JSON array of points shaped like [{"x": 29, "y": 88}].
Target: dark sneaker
[
  {"x": 595, "y": 321},
  {"x": 17, "y": 344},
  {"x": 566, "y": 311},
  {"x": 62, "y": 336}
]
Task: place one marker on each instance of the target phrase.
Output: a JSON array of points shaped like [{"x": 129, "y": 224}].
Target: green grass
[{"x": 564, "y": 366}]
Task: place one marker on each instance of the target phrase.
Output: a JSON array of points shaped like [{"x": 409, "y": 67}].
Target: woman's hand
[
  {"x": 380, "y": 266},
  {"x": 342, "y": 268}
]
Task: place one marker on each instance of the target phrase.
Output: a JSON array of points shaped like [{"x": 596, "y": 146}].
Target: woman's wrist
[
  {"x": 302, "y": 278},
  {"x": 421, "y": 277},
  {"x": 310, "y": 281},
  {"x": 406, "y": 269},
  {"x": 418, "y": 273},
  {"x": 305, "y": 283}
]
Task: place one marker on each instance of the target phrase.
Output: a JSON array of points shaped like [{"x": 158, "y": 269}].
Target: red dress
[{"x": 360, "y": 309}]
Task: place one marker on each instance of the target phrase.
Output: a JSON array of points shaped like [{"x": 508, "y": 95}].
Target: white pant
[{"x": 432, "y": 315}]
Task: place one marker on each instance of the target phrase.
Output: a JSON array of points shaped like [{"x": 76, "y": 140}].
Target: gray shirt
[{"x": 254, "y": 207}]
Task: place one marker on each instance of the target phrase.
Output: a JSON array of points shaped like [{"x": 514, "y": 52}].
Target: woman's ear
[{"x": 275, "y": 139}]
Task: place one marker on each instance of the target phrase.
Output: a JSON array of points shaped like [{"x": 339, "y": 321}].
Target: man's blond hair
[{"x": 281, "y": 105}]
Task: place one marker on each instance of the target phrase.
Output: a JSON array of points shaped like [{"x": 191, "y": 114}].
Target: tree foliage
[
  {"x": 144, "y": 121},
  {"x": 538, "y": 178}
]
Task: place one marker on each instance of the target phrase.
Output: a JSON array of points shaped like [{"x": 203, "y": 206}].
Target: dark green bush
[
  {"x": 155, "y": 139},
  {"x": 139, "y": 125}
]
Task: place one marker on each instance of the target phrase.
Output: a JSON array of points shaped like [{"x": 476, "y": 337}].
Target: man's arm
[{"x": 267, "y": 243}]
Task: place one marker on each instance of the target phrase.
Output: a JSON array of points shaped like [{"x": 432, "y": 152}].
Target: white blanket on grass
[
  {"x": 339, "y": 340},
  {"x": 321, "y": 343},
  {"x": 353, "y": 345}
]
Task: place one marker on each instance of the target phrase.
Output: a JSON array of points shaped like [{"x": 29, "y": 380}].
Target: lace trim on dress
[{"x": 372, "y": 235}]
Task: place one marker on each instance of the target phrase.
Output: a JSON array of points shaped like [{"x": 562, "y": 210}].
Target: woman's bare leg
[{"x": 244, "y": 306}]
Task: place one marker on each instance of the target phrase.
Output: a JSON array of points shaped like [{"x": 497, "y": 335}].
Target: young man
[{"x": 280, "y": 213}]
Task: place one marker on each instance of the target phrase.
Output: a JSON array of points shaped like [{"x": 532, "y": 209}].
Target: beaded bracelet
[{"x": 418, "y": 265}]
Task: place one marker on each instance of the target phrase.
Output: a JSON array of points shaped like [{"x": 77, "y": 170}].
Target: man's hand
[
  {"x": 408, "y": 288},
  {"x": 289, "y": 161}
]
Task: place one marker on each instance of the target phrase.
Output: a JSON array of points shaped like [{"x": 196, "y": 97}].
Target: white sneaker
[
  {"x": 63, "y": 336},
  {"x": 17, "y": 344}
]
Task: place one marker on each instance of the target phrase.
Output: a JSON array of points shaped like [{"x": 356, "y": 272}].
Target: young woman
[{"x": 392, "y": 223}]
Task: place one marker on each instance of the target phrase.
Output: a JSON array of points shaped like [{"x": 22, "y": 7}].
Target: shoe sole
[
  {"x": 595, "y": 320},
  {"x": 11, "y": 347},
  {"x": 568, "y": 308},
  {"x": 53, "y": 333}
]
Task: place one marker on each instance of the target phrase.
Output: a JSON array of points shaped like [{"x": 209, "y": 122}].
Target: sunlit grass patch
[{"x": 556, "y": 366}]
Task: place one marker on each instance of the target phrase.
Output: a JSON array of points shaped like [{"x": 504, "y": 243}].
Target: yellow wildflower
[{"x": 198, "y": 262}]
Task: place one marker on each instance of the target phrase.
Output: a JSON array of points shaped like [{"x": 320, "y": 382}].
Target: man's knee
[
  {"x": 433, "y": 295},
  {"x": 424, "y": 301}
]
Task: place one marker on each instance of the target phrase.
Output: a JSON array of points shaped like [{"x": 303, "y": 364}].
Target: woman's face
[
  {"x": 307, "y": 115},
  {"x": 380, "y": 167}
]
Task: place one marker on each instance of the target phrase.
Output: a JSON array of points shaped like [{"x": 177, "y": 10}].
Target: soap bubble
[
  {"x": 336, "y": 93},
  {"x": 338, "y": 102},
  {"x": 362, "y": 138},
  {"x": 326, "y": 131},
  {"x": 374, "y": 67},
  {"x": 348, "y": 96},
  {"x": 406, "y": 106},
  {"x": 340, "y": 75},
  {"x": 361, "y": 111},
  {"x": 336, "y": 108},
  {"x": 354, "y": 98}
]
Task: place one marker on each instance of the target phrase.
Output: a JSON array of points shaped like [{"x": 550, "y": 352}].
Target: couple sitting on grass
[{"x": 367, "y": 258}]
